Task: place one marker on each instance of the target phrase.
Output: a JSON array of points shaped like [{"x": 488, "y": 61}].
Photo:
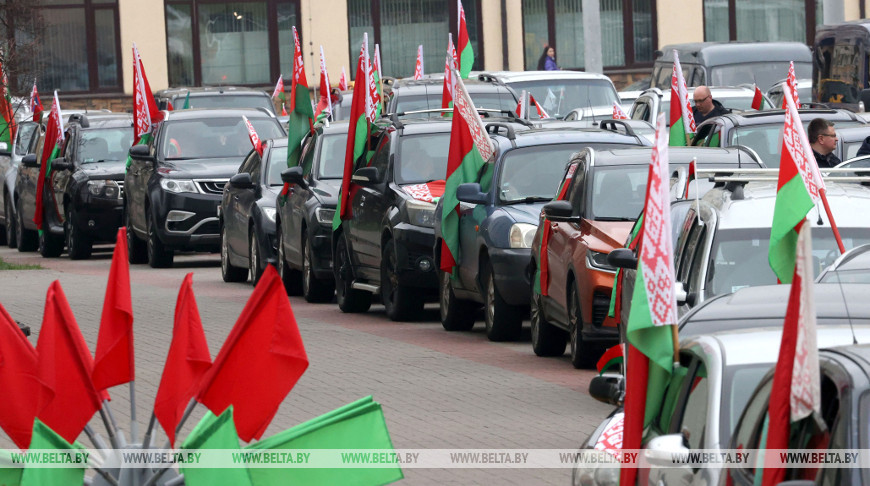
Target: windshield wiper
[
  {"x": 530, "y": 199},
  {"x": 613, "y": 218}
]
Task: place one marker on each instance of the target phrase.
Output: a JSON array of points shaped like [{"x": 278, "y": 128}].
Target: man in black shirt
[
  {"x": 705, "y": 106},
  {"x": 823, "y": 140}
]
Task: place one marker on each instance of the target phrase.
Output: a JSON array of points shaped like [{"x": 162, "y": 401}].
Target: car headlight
[
  {"x": 522, "y": 235},
  {"x": 598, "y": 260},
  {"x": 421, "y": 213},
  {"x": 270, "y": 213},
  {"x": 324, "y": 216},
  {"x": 104, "y": 188},
  {"x": 178, "y": 185}
]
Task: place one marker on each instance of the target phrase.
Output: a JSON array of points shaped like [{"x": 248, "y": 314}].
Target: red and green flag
[
  {"x": 612, "y": 357},
  {"x": 301, "y": 114},
  {"x": 466, "y": 54},
  {"x": 542, "y": 274},
  {"x": 278, "y": 92},
  {"x": 36, "y": 104},
  {"x": 418, "y": 66},
  {"x": 379, "y": 81},
  {"x": 681, "y": 119},
  {"x": 791, "y": 86},
  {"x": 757, "y": 99},
  {"x": 7, "y": 114},
  {"x": 342, "y": 81},
  {"x": 324, "y": 103},
  {"x": 50, "y": 150},
  {"x": 451, "y": 63},
  {"x": 145, "y": 112},
  {"x": 470, "y": 149},
  {"x": 615, "y": 309}
]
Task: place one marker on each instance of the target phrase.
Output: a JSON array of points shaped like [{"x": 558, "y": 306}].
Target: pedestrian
[
  {"x": 823, "y": 140},
  {"x": 547, "y": 61},
  {"x": 705, "y": 106}
]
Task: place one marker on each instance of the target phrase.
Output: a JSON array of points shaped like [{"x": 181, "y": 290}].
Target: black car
[
  {"x": 174, "y": 184},
  {"x": 386, "y": 247},
  {"x": 213, "y": 97},
  {"x": 305, "y": 218},
  {"x": 425, "y": 94},
  {"x": 247, "y": 214},
  {"x": 25, "y": 141},
  {"x": 84, "y": 203}
]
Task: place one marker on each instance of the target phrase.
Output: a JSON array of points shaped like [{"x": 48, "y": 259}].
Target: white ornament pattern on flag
[
  {"x": 805, "y": 381},
  {"x": 618, "y": 114},
  {"x": 420, "y": 192},
  {"x": 678, "y": 85},
  {"x": 657, "y": 256},
  {"x": 463, "y": 103},
  {"x": 610, "y": 440},
  {"x": 143, "y": 116},
  {"x": 252, "y": 135},
  {"x": 796, "y": 145}
]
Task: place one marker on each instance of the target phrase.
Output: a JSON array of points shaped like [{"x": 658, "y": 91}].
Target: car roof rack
[
  {"x": 611, "y": 124},
  {"x": 772, "y": 174},
  {"x": 493, "y": 128},
  {"x": 79, "y": 118},
  {"x": 266, "y": 111}
]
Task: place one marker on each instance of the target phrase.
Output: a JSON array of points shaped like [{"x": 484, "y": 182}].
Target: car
[
  {"x": 10, "y": 159},
  {"x": 559, "y": 92},
  {"x": 84, "y": 204},
  {"x": 304, "y": 220},
  {"x": 850, "y": 139},
  {"x": 247, "y": 214},
  {"x": 653, "y": 101},
  {"x": 409, "y": 95},
  {"x": 498, "y": 218},
  {"x": 214, "y": 97},
  {"x": 761, "y": 131},
  {"x": 174, "y": 184},
  {"x": 851, "y": 267},
  {"x": 858, "y": 162},
  {"x": 341, "y": 109},
  {"x": 804, "y": 88}
]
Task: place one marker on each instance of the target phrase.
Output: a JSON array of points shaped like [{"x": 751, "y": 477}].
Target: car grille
[
  {"x": 600, "y": 306},
  {"x": 208, "y": 228},
  {"x": 121, "y": 186},
  {"x": 213, "y": 186}
]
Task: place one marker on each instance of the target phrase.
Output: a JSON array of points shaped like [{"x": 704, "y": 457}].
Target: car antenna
[
  {"x": 846, "y": 305},
  {"x": 589, "y": 102}
]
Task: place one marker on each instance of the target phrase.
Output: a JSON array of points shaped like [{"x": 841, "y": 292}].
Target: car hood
[
  {"x": 610, "y": 234},
  {"x": 107, "y": 170},
  {"x": 327, "y": 191},
  {"x": 525, "y": 212},
  {"x": 201, "y": 168}
]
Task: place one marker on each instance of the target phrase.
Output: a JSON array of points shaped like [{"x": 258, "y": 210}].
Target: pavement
[{"x": 438, "y": 389}]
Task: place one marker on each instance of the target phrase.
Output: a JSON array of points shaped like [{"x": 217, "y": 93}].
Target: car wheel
[
  {"x": 229, "y": 272},
  {"x": 349, "y": 299},
  {"x": 504, "y": 322},
  {"x": 456, "y": 314},
  {"x": 401, "y": 303},
  {"x": 158, "y": 255},
  {"x": 547, "y": 340},
  {"x": 50, "y": 246},
  {"x": 26, "y": 239},
  {"x": 11, "y": 236},
  {"x": 78, "y": 245},
  {"x": 582, "y": 356},
  {"x": 314, "y": 289},
  {"x": 255, "y": 259},
  {"x": 136, "y": 248},
  {"x": 289, "y": 276}
]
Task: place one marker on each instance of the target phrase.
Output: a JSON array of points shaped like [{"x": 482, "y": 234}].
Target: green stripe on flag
[
  {"x": 793, "y": 202},
  {"x": 45, "y": 438},
  {"x": 360, "y": 136},
  {"x": 466, "y": 172},
  {"x": 466, "y": 60},
  {"x": 214, "y": 433},
  {"x": 677, "y": 136}
]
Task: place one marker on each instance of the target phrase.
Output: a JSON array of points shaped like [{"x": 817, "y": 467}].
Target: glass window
[
  {"x": 749, "y": 429},
  {"x": 179, "y": 45},
  {"x": 213, "y": 137},
  {"x": 106, "y": 144},
  {"x": 739, "y": 383},
  {"x": 277, "y": 164},
  {"x": 422, "y": 158},
  {"x": 784, "y": 20},
  {"x": 694, "y": 420},
  {"x": 537, "y": 33},
  {"x": 64, "y": 50},
  {"x": 618, "y": 192},
  {"x": 233, "y": 43},
  {"x": 331, "y": 160},
  {"x": 226, "y": 100},
  {"x": 716, "y": 20},
  {"x": 24, "y": 137},
  {"x": 406, "y": 24},
  {"x": 359, "y": 21},
  {"x": 613, "y": 34},
  {"x": 107, "y": 45},
  {"x": 286, "y": 20},
  {"x": 561, "y": 96},
  {"x": 569, "y": 25},
  {"x": 642, "y": 19}
]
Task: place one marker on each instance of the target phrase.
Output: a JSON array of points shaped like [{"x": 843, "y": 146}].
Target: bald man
[{"x": 705, "y": 106}]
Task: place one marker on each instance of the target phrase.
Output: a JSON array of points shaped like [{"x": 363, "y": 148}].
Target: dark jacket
[
  {"x": 718, "y": 110},
  {"x": 826, "y": 161},
  {"x": 865, "y": 148}
]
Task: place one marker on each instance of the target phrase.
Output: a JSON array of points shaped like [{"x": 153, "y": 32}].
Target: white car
[{"x": 654, "y": 101}]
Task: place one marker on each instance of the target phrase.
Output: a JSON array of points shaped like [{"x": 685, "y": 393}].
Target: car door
[
  {"x": 136, "y": 188},
  {"x": 297, "y": 198},
  {"x": 60, "y": 178},
  {"x": 238, "y": 207},
  {"x": 562, "y": 240},
  {"x": 368, "y": 205}
]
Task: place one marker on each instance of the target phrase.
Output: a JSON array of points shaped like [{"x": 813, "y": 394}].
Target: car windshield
[
  {"x": 739, "y": 256},
  {"x": 422, "y": 158},
  {"x": 105, "y": 144},
  {"x": 277, "y": 164},
  {"x": 618, "y": 192},
  {"x": 765, "y": 74},
  {"x": 534, "y": 173},
  {"x": 226, "y": 101},
  {"x": 501, "y": 100},
  {"x": 766, "y": 140},
  {"x": 209, "y": 138},
  {"x": 331, "y": 161},
  {"x": 739, "y": 383},
  {"x": 559, "y": 96}
]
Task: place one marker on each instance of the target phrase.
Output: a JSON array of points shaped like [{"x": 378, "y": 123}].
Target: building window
[
  {"x": 68, "y": 45},
  {"x": 240, "y": 43},
  {"x": 399, "y": 26},
  {"x": 628, "y": 32},
  {"x": 750, "y": 20}
]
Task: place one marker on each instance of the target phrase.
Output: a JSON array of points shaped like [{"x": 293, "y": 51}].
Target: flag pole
[
  {"x": 134, "y": 427},
  {"x": 109, "y": 422},
  {"x": 146, "y": 441},
  {"x": 836, "y": 231},
  {"x": 101, "y": 444},
  {"x": 153, "y": 479}
]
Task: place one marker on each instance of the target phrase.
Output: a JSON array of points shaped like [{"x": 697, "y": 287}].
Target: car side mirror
[
  {"x": 470, "y": 193},
  {"x": 607, "y": 388},
  {"x": 242, "y": 181},
  {"x": 661, "y": 450},
  {"x": 293, "y": 175},
  {"x": 366, "y": 175},
  {"x": 141, "y": 152},
  {"x": 864, "y": 97},
  {"x": 61, "y": 163},
  {"x": 559, "y": 211},
  {"x": 680, "y": 291},
  {"x": 29, "y": 160},
  {"x": 4, "y": 148},
  {"x": 622, "y": 258}
]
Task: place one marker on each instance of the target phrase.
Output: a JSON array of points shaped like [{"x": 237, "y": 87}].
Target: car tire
[
  {"x": 255, "y": 257},
  {"x": 290, "y": 277},
  {"x": 136, "y": 248},
  {"x": 401, "y": 303},
  {"x": 350, "y": 300},
  {"x": 158, "y": 255},
  {"x": 230, "y": 272},
  {"x": 314, "y": 289},
  {"x": 504, "y": 322},
  {"x": 50, "y": 246},
  {"x": 11, "y": 237},
  {"x": 26, "y": 240},
  {"x": 582, "y": 354},
  {"x": 547, "y": 339},
  {"x": 456, "y": 314},
  {"x": 78, "y": 245}
]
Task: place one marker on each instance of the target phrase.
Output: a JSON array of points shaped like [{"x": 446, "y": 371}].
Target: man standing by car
[
  {"x": 705, "y": 106},
  {"x": 823, "y": 140}
]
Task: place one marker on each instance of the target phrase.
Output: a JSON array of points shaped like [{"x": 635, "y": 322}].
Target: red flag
[
  {"x": 692, "y": 174},
  {"x": 521, "y": 106},
  {"x": 18, "y": 380},
  {"x": 757, "y": 99},
  {"x": 145, "y": 112},
  {"x": 6, "y": 110},
  {"x": 259, "y": 363},
  {"x": 325, "y": 102},
  {"x": 342, "y": 81},
  {"x": 791, "y": 85},
  {"x": 113, "y": 364},
  {"x": 418, "y": 68},
  {"x": 451, "y": 63},
  {"x": 637, "y": 375},
  {"x": 186, "y": 363},
  {"x": 68, "y": 398},
  {"x": 252, "y": 135},
  {"x": 618, "y": 114},
  {"x": 36, "y": 104},
  {"x": 541, "y": 113},
  {"x": 284, "y": 110},
  {"x": 50, "y": 150},
  {"x": 278, "y": 92}
]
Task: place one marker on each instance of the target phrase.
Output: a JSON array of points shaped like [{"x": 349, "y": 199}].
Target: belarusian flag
[
  {"x": 379, "y": 80},
  {"x": 543, "y": 115},
  {"x": 36, "y": 104},
  {"x": 278, "y": 92},
  {"x": 757, "y": 99},
  {"x": 362, "y": 115},
  {"x": 7, "y": 123},
  {"x": 651, "y": 326},
  {"x": 618, "y": 114},
  {"x": 466, "y": 54},
  {"x": 615, "y": 309},
  {"x": 542, "y": 274},
  {"x": 145, "y": 112},
  {"x": 253, "y": 137},
  {"x": 324, "y": 104},
  {"x": 450, "y": 64},
  {"x": 681, "y": 118},
  {"x": 342, "y": 81},
  {"x": 301, "y": 113},
  {"x": 470, "y": 148},
  {"x": 797, "y": 191},
  {"x": 523, "y": 108},
  {"x": 791, "y": 85},
  {"x": 50, "y": 151},
  {"x": 418, "y": 67},
  {"x": 795, "y": 394},
  {"x": 612, "y": 357}
]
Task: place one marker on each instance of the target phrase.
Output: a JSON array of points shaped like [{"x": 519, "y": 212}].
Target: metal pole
[
  {"x": 110, "y": 424},
  {"x": 153, "y": 479},
  {"x": 824, "y": 197},
  {"x": 134, "y": 427},
  {"x": 146, "y": 441}
]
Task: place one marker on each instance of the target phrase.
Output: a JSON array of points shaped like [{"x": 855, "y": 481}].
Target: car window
[
  {"x": 575, "y": 193},
  {"x": 330, "y": 163},
  {"x": 762, "y": 73},
  {"x": 422, "y": 158},
  {"x": 534, "y": 172},
  {"x": 380, "y": 159},
  {"x": 256, "y": 164},
  {"x": 306, "y": 159},
  {"x": 248, "y": 163},
  {"x": 694, "y": 409},
  {"x": 641, "y": 110},
  {"x": 696, "y": 247},
  {"x": 748, "y": 430},
  {"x": 618, "y": 192},
  {"x": 277, "y": 164},
  {"x": 104, "y": 144},
  {"x": 766, "y": 139},
  {"x": 738, "y": 384},
  {"x": 25, "y": 137},
  {"x": 226, "y": 101},
  {"x": 559, "y": 96},
  {"x": 213, "y": 137}
]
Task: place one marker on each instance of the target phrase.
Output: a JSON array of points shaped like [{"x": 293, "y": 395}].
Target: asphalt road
[{"x": 438, "y": 389}]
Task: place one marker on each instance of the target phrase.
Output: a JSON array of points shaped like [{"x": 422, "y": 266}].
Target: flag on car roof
[
  {"x": 18, "y": 379},
  {"x": 681, "y": 119},
  {"x": 618, "y": 114},
  {"x": 301, "y": 114},
  {"x": 379, "y": 81},
  {"x": 757, "y": 99},
  {"x": 418, "y": 66},
  {"x": 113, "y": 360},
  {"x": 791, "y": 86},
  {"x": 797, "y": 191},
  {"x": 466, "y": 54},
  {"x": 651, "y": 330},
  {"x": 324, "y": 104},
  {"x": 451, "y": 64},
  {"x": 795, "y": 394},
  {"x": 145, "y": 112},
  {"x": 278, "y": 92},
  {"x": 253, "y": 137},
  {"x": 7, "y": 114},
  {"x": 36, "y": 104},
  {"x": 342, "y": 81},
  {"x": 470, "y": 148},
  {"x": 52, "y": 144}
]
